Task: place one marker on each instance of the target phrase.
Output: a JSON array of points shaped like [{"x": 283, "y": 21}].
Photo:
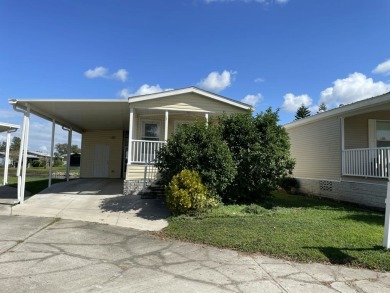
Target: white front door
[{"x": 101, "y": 159}]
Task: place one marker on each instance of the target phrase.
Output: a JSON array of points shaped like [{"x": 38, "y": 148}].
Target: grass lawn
[{"x": 296, "y": 228}]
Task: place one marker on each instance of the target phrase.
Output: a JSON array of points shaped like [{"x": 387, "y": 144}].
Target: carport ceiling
[{"x": 81, "y": 115}]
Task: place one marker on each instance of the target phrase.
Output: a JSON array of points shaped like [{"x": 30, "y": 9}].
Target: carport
[{"x": 72, "y": 115}]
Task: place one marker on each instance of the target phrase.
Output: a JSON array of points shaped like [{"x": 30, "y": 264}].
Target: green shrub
[
  {"x": 200, "y": 148},
  {"x": 38, "y": 163},
  {"x": 261, "y": 151},
  {"x": 186, "y": 193}
]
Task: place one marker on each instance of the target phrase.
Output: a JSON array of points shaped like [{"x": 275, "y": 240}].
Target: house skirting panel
[
  {"x": 132, "y": 187},
  {"x": 362, "y": 193}
]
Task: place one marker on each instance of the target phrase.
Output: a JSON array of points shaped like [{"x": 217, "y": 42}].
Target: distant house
[
  {"x": 344, "y": 153},
  {"x": 35, "y": 156},
  {"x": 74, "y": 159}
]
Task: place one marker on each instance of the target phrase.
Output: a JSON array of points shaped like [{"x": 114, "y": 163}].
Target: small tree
[
  {"x": 302, "y": 112},
  {"x": 199, "y": 148},
  {"x": 322, "y": 108},
  {"x": 3, "y": 146},
  {"x": 261, "y": 151}
]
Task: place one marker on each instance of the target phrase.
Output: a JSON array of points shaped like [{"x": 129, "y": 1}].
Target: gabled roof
[
  {"x": 381, "y": 102},
  {"x": 7, "y": 126},
  {"x": 189, "y": 90}
]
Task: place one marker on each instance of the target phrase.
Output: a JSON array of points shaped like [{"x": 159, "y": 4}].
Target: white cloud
[
  {"x": 354, "y": 88},
  {"x": 102, "y": 72},
  {"x": 121, "y": 75},
  {"x": 144, "y": 89},
  {"x": 124, "y": 93},
  {"x": 383, "y": 68},
  {"x": 259, "y": 80},
  {"x": 216, "y": 81},
  {"x": 292, "y": 103},
  {"x": 99, "y": 71},
  {"x": 252, "y": 100}
]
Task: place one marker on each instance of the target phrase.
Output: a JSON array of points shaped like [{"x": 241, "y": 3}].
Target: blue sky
[{"x": 278, "y": 53}]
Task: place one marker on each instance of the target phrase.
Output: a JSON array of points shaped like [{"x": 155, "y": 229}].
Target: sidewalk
[{"x": 52, "y": 255}]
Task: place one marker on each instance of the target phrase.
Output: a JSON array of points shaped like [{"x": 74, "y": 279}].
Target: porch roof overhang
[
  {"x": 378, "y": 103},
  {"x": 8, "y": 127},
  {"x": 80, "y": 115}
]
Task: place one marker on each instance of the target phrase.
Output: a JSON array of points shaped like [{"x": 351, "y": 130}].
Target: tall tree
[
  {"x": 15, "y": 144},
  {"x": 322, "y": 108},
  {"x": 15, "y": 147},
  {"x": 302, "y": 112},
  {"x": 62, "y": 149}
]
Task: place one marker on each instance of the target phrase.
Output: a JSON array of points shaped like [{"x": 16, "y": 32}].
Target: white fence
[
  {"x": 372, "y": 162},
  {"x": 144, "y": 151}
]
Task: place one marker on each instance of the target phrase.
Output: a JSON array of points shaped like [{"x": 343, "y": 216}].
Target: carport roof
[
  {"x": 102, "y": 114},
  {"x": 80, "y": 114},
  {"x": 7, "y": 126}
]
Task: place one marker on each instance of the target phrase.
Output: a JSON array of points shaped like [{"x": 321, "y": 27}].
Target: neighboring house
[
  {"x": 74, "y": 159},
  {"x": 120, "y": 136},
  {"x": 344, "y": 153},
  {"x": 34, "y": 156}
]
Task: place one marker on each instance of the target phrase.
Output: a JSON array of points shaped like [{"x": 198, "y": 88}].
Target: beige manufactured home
[
  {"x": 344, "y": 153},
  {"x": 120, "y": 137}
]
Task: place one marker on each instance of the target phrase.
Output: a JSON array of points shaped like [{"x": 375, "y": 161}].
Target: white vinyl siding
[
  {"x": 316, "y": 148},
  {"x": 114, "y": 140},
  {"x": 187, "y": 102}
]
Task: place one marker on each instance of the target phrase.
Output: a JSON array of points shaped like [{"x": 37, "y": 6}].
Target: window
[
  {"x": 151, "y": 130},
  {"x": 378, "y": 133},
  {"x": 382, "y": 134}
]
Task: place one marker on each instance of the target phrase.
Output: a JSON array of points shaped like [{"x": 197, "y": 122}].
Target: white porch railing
[
  {"x": 369, "y": 162},
  {"x": 145, "y": 151}
]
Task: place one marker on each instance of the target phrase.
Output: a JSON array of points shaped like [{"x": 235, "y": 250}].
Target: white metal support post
[
  {"x": 22, "y": 163},
  {"x": 166, "y": 126},
  {"x": 53, "y": 127},
  {"x": 206, "y": 116},
  {"x": 6, "y": 159},
  {"x": 129, "y": 148},
  {"x": 342, "y": 137},
  {"x": 386, "y": 238}
]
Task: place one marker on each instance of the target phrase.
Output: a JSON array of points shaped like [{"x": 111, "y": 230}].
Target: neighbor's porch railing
[
  {"x": 368, "y": 162},
  {"x": 144, "y": 151}
]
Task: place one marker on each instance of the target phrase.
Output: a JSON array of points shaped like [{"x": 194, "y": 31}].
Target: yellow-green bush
[{"x": 186, "y": 193}]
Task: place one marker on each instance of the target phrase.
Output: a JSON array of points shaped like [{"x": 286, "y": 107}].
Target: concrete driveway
[
  {"x": 54, "y": 255},
  {"x": 96, "y": 200}
]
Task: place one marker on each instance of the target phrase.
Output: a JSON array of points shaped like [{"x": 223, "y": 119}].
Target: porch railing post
[{"x": 129, "y": 148}]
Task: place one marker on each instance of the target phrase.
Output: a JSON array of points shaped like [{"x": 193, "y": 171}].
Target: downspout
[
  {"x": 53, "y": 127},
  {"x": 68, "y": 155}
]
